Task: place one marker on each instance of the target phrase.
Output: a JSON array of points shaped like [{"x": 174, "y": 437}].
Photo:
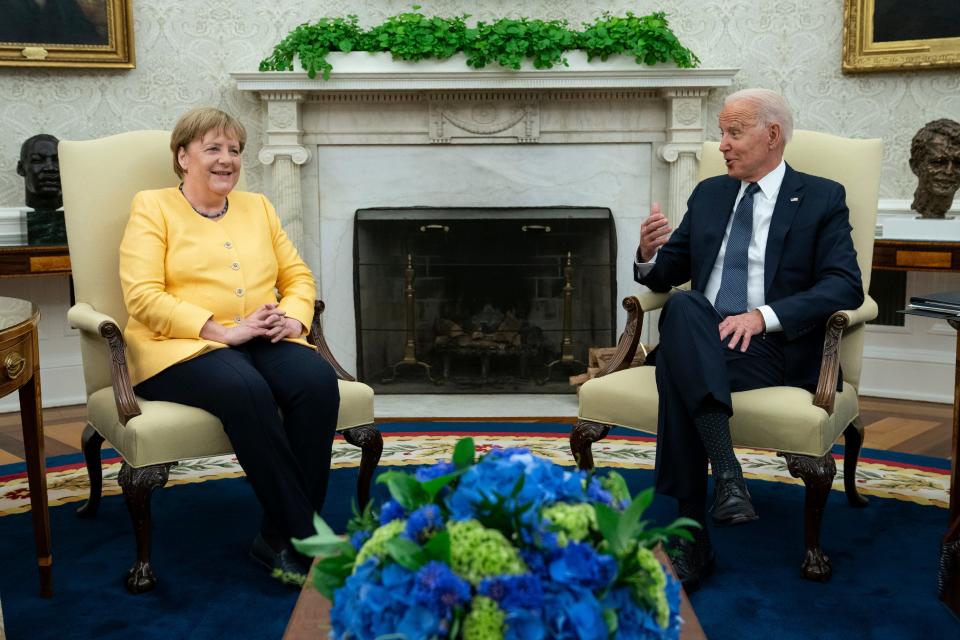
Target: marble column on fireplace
[
  {"x": 285, "y": 151},
  {"x": 685, "y": 134}
]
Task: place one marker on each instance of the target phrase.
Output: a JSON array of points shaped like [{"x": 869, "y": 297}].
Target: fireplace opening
[{"x": 481, "y": 300}]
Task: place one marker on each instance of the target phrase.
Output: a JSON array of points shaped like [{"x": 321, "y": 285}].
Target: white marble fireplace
[{"x": 385, "y": 134}]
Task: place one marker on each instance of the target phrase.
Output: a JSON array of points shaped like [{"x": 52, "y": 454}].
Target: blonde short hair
[{"x": 196, "y": 123}]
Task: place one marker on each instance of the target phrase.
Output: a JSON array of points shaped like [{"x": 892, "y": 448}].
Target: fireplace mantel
[
  {"x": 362, "y": 71},
  {"x": 371, "y": 104}
]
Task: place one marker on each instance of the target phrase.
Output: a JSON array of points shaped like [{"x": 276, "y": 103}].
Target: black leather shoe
[
  {"x": 693, "y": 563},
  {"x": 286, "y": 565},
  {"x": 731, "y": 502}
]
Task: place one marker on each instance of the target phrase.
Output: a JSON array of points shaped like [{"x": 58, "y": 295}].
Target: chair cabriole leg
[
  {"x": 90, "y": 443},
  {"x": 817, "y": 474},
  {"x": 582, "y": 437},
  {"x": 370, "y": 441},
  {"x": 852, "y": 441},
  {"x": 138, "y": 485}
]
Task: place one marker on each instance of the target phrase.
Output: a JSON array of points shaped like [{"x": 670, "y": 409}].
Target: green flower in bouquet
[{"x": 509, "y": 546}]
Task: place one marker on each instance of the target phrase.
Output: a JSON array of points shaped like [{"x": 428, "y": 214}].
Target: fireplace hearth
[{"x": 481, "y": 300}]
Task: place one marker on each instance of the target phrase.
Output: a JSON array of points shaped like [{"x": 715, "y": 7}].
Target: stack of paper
[{"x": 946, "y": 302}]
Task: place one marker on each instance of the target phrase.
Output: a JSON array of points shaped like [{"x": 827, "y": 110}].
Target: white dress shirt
[{"x": 764, "y": 202}]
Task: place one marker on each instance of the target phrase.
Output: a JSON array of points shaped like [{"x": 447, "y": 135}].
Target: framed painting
[
  {"x": 67, "y": 33},
  {"x": 894, "y": 35}
]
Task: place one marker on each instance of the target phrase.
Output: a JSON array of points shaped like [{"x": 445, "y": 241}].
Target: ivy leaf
[{"x": 508, "y": 41}]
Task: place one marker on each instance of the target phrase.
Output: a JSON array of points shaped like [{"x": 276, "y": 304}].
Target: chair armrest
[
  {"x": 865, "y": 313},
  {"x": 629, "y": 339},
  {"x": 830, "y": 361},
  {"x": 315, "y": 337},
  {"x": 89, "y": 320},
  {"x": 651, "y": 300},
  {"x": 85, "y": 318}
]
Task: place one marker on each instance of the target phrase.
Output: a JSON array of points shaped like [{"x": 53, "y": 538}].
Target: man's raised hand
[{"x": 654, "y": 233}]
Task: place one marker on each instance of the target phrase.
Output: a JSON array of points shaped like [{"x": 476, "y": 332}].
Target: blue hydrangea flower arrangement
[{"x": 508, "y": 546}]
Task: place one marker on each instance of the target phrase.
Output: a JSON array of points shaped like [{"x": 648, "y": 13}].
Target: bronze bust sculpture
[
  {"x": 935, "y": 159},
  {"x": 39, "y": 165}
]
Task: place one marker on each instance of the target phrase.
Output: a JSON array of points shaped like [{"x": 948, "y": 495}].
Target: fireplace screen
[{"x": 482, "y": 300}]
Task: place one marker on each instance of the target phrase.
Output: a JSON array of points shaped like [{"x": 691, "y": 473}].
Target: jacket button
[
  {"x": 239, "y": 291},
  {"x": 235, "y": 266},
  {"x": 228, "y": 245},
  {"x": 238, "y": 319}
]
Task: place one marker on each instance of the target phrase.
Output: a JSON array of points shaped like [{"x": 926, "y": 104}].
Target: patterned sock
[{"x": 714, "y": 427}]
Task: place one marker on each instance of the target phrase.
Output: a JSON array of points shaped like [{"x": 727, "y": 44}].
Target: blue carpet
[{"x": 884, "y": 560}]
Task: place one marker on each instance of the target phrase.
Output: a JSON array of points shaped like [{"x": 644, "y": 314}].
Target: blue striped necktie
[{"x": 732, "y": 294}]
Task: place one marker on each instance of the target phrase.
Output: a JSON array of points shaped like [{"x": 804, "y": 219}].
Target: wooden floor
[{"x": 895, "y": 425}]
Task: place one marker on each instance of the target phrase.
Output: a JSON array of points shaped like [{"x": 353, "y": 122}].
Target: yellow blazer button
[
  {"x": 238, "y": 318},
  {"x": 239, "y": 291},
  {"x": 235, "y": 266},
  {"x": 228, "y": 244}
]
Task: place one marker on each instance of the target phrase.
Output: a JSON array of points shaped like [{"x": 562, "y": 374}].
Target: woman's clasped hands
[{"x": 268, "y": 321}]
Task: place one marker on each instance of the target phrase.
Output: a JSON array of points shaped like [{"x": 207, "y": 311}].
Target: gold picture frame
[
  {"x": 67, "y": 33},
  {"x": 903, "y": 44}
]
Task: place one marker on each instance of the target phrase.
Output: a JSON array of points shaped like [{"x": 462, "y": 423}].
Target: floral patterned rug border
[{"x": 69, "y": 483}]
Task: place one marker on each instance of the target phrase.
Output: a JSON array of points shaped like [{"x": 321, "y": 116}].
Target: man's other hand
[{"x": 741, "y": 329}]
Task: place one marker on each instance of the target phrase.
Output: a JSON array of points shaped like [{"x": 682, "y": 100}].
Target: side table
[
  {"x": 20, "y": 371},
  {"x": 948, "y": 576},
  {"x": 948, "y": 581}
]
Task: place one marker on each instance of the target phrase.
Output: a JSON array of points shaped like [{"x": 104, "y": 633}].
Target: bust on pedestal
[
  {"x": 40, "y": 167},
  {"x": 935, "y": 159}
]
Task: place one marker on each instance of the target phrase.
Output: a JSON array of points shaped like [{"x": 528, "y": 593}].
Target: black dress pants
[
  {"x": 694, "y": 365},
  {"x": 278, "y": 404}
]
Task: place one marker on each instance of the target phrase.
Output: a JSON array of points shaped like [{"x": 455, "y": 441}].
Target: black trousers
[
  {"x": 692, "y": 366},
  {"x": 278, "y": 404}
]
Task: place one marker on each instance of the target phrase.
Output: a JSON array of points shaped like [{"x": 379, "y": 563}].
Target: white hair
[{"x": 771, "y": 108}]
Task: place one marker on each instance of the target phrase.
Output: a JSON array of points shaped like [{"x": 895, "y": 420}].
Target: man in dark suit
[{"x": 769, "y": 256}]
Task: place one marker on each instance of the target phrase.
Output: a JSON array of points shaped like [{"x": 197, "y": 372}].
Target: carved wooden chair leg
[
  {"x": 138, "y": 484},
  {"x": 582, "y": 437},
  {"x": 852, "y": 441},
  {"x": 368, "y": 438},
  {"x": 90, "y": 443},
  {"x": 817, "y": 475}
]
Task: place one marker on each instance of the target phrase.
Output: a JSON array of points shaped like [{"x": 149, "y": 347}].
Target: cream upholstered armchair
[
  {"x": 799, "y": 425},
  {"x": 99, "y": 180}
]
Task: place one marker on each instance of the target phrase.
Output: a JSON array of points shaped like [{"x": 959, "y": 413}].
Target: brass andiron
[
  {"x": 410, "y": 342},
  {"x": 566, "y": 344}
]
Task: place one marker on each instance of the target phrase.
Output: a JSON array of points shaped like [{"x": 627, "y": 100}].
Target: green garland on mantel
[{"x": 412, "y": 36}]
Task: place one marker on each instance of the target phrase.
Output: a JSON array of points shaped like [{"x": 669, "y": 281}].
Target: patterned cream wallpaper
[{"x": 185, "y": 51}]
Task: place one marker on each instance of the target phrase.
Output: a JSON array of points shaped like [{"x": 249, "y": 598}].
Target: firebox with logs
[{"x": 482, "y": 300}]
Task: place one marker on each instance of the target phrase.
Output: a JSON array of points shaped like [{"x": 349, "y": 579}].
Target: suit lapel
[
  {"x": 788, "y": 202},
  {"x": 715, "y": 225}
]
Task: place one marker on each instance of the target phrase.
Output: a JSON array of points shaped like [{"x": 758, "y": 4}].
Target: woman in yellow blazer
[{"x": 219, "y": 303}]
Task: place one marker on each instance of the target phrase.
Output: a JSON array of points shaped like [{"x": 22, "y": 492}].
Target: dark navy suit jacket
[{"x": 810, "y": 270}]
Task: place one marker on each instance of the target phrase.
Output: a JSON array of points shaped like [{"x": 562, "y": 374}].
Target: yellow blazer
[{"x": 179, "y": 269}]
